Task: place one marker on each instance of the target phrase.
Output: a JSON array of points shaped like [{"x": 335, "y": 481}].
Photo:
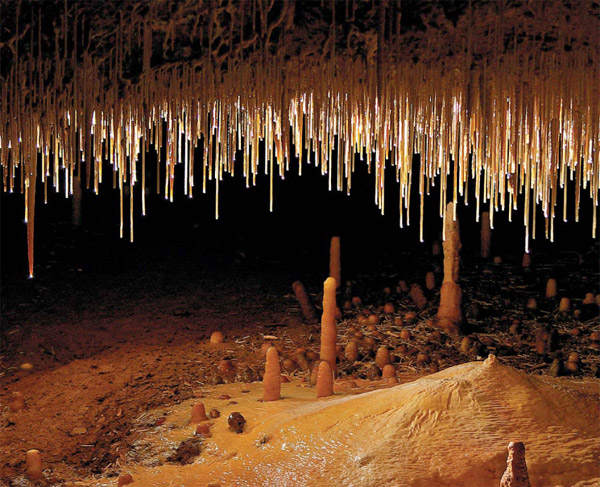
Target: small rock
[
  {"x": 556, "y": 369},
  {"x": 124, "y": 479},
  {"x": 236, "y": 422}
]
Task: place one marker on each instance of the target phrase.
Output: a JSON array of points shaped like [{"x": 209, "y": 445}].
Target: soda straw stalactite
[
  {"x": 335, "y": 260},
  {"x": 486, "y": 235},
  {"x": 449, "y": 315},
  {"x": 272, "y": 377},
  {"x": 328, "y": 325},
  {"x": 528, "y": 142}
]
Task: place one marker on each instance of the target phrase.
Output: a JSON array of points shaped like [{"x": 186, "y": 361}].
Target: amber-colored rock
[{"x": 515, "y": 474}]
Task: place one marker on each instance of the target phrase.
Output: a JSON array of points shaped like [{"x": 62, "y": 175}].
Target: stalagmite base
[
  {"x": 324, "y": 380},
  {"x": 272, "y": 377},
  {"x": 328, "y": 326},
  {"x": 449, "y": 315}
]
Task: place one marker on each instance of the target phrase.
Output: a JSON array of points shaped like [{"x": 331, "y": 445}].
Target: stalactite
[{"x": 521, "y": 141}]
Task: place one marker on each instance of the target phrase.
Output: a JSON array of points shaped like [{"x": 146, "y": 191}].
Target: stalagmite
[
  {"x": 449, "y": 315},
  {"x": 389, "y": 374},
  {"x": 486, "y": 235},
  {"x": 324, "y": 380},
  {"x": 33, "y": 465},
  {"x": 564, "y": 305},
  {"x": 418, "y": 296},
  {"x": 328, "y": 325},
  {"x": 382, "y": 358},
  {"x": 430, "y": 281},
  {"x": 272, "y": 377},
  {"x": 124, "y": 479},
  {"x": 526, "y": 262},
  {"x": 515, "y": 474},
  {"x": 335, "y": 260},
  {"x": 436, "y": 248},
  {"x": 551, "y": 289},
  {"x": 198, "y": 413},
  {"x": 216, "y": 337},
  {"x": 351, "y": 352},
  {"x": 308, "y": 310}
]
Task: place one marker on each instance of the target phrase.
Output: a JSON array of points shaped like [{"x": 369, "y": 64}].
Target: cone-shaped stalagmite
[
  {"x": 272, "y": 377},
  {"x": 486, "y": 235},
  {"x": 308, "y": 310},
  {"x": 33, "y": 465},
  {"x": 551, "y": 288},
  {"x": 515, "y": 474},
  {"x": 449, "y": 315},
  {"x": 335, "y": 261},
  {"x": 198, "y": 413},
  {"x": 324, "y": 380},
  {"x": 328, "y": 326}
]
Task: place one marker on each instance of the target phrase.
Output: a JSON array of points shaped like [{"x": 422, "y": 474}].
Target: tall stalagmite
[
  {"x": 335, "y": 260},
  {"x": 449, "y": 315},
  {"x": 515, "y": 474},
  {"x": 328, "y": 325}
]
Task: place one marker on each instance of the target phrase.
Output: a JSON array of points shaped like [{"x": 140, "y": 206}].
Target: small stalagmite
[
  {"x": 33, "y": 465},
  {"x": 565, "y": 305},
  {"x": 486, "y": 235},
  {"x": 272, "y": 377},
  {"x": 328, "y": 325},
  {"x": 526, "y": 262},
  {"x": 124, "y": 479},
  {"x": 436, "y": 248},
  {"x": 198, "y": 413},
  {"x": 324, "y": 380},
  {"x": 449, "y": 315},
  {"x": 335, "y": 261},
  {"x": 430, "y": 281},
  {"x": 351, "y": 352},
  {"x": 216, "y": 337},
  {"x": 418, "y": 296},
  {"x": 382, "y": 358},
  {"x": 389, "y": 374},
  {"x": 515, "y": 474},
  {"x": 308, "y": 310},
  {"x": 551, "y": 289}
]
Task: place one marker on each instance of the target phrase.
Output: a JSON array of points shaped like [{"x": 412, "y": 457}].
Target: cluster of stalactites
[{"x": 520, "y": 129}]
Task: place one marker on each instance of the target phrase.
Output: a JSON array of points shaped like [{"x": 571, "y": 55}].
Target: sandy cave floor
[{"x": 112, "y": 356}]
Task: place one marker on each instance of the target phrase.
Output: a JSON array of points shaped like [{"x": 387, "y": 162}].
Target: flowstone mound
[{"x": 447, "y": 429}]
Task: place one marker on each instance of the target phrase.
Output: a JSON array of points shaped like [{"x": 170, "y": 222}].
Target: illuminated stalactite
[{"x": 520, "y": 125}]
